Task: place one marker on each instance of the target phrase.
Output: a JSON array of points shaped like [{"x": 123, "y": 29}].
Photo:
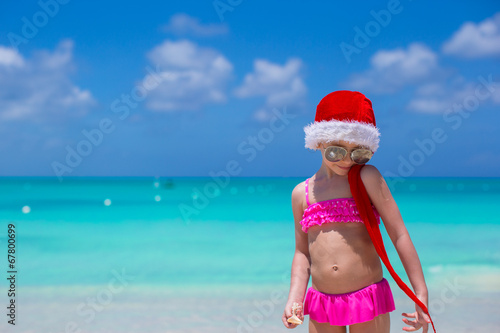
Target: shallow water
[{"x": 190, "y": 255}]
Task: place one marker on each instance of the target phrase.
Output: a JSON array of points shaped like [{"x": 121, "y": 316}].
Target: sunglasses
[{"x": 358, "y": 155}]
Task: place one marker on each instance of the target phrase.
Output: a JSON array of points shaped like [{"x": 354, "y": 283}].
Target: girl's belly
[{"x": 343, "y": 258}]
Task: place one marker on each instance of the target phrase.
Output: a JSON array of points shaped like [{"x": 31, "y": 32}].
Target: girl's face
[{"x": 341, "y": 167}]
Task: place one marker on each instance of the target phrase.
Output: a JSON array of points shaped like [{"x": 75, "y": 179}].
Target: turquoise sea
[{"x": 196, "y": 255}]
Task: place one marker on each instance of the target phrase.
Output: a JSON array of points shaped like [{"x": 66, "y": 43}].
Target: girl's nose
[{"x": 347, "y": 158}]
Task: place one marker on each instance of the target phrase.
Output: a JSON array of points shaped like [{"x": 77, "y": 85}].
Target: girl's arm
[
  {"x": 382, "y": 199},
  {"x": 301, "y": 263}
]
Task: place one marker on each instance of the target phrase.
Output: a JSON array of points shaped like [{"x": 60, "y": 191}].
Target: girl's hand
[
  {"x": 288, "y": 313},
  {"x": 421, "y": 320}
]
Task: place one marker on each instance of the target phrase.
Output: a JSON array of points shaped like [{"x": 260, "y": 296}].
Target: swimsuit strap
[{"x": 307, "y": 194}]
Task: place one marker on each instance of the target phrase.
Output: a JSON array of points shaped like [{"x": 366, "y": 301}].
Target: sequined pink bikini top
[{"x": 333, "y": 210}]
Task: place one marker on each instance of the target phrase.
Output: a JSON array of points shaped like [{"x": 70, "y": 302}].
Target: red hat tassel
[{"x": 363, "y": 203}]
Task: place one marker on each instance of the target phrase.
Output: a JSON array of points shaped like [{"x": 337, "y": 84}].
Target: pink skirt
[{"x": 349, "y": 308}]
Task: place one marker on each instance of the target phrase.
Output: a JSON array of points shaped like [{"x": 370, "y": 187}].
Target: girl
[{"x": 332, "y": 244}]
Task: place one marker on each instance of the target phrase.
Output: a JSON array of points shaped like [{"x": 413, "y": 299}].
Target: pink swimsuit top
[{"x": 333, "y": 210}]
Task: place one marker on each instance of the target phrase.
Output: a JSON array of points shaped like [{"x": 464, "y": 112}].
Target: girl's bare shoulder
[
  {"x": 299, "y": 195},
  {"x": 372, "y": 179},
  {"x": 299, "y": 190},
  {"x": 370, "y": 173}
]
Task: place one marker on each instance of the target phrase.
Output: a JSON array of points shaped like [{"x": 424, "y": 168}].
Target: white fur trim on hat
[{"x": 363, "y": 134}]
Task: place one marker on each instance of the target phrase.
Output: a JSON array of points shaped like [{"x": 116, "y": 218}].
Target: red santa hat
[{"x": 343, "y": 115}]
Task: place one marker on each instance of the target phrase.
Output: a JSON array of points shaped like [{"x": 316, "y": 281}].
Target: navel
[{"x": 335, "y": 267}]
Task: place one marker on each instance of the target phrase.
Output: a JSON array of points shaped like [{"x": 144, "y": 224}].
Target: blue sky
[{"x": 196, "y": 88}]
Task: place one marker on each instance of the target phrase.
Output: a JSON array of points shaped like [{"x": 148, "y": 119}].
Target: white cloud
[
  {"x": 437, "y": 97},
  {"x": 183, "y": 24},
  {"x": 440, "y": 97},
  {"x": 435, "y": 89},
  {"x": 280, "y": 85},
  {"x": 10, "y": 57},
  {"x": 391, "y": 70},
  {"x": 476, "y": 40},
  {"x": 32, "y": 89},
  {"x": 191, "y": 76}
]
